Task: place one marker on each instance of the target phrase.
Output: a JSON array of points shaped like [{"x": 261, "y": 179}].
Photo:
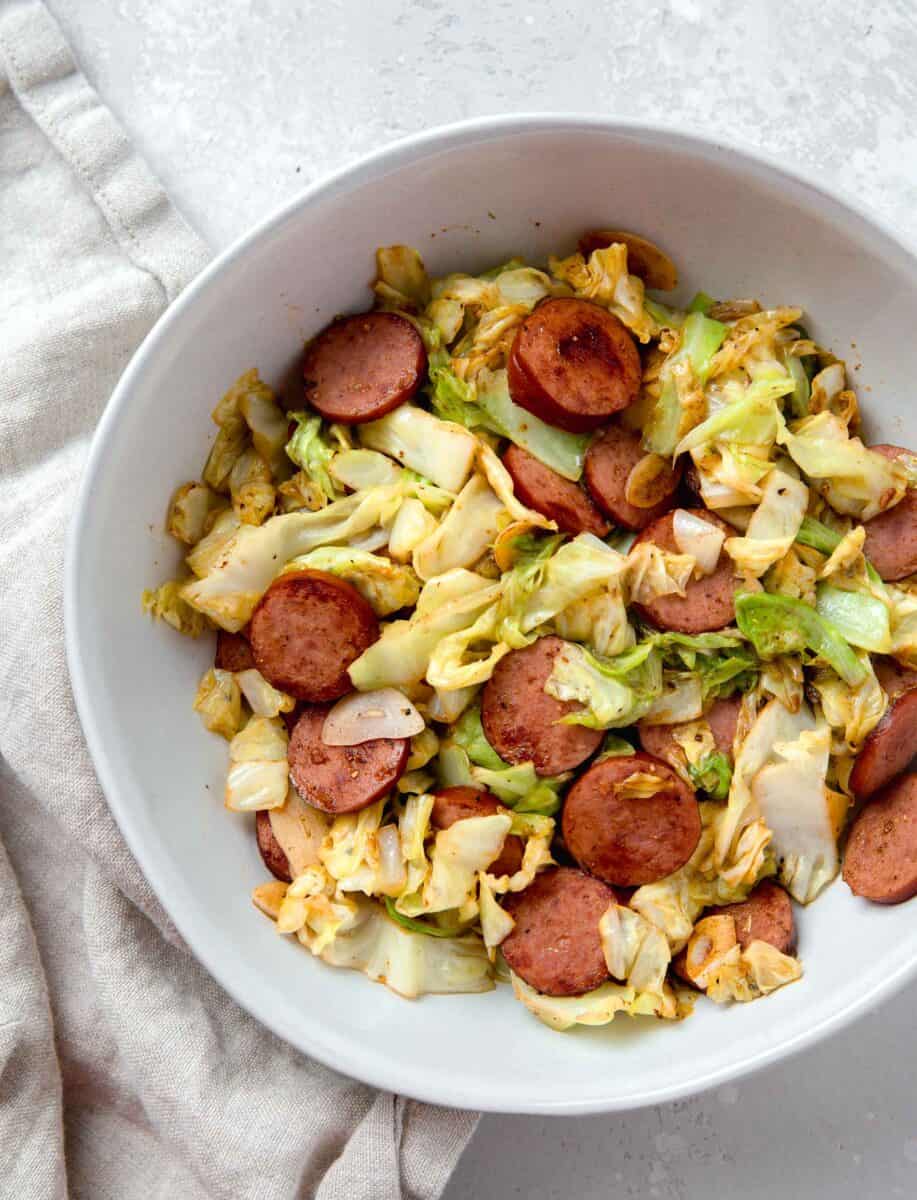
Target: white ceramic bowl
[{"x": 468, "y": 197}]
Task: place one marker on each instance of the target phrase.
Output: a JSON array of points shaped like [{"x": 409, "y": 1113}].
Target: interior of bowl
[{"x": 467, "y": 199}]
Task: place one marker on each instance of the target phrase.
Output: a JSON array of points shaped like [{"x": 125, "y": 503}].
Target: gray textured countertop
[{"x": 237, "y": 106}]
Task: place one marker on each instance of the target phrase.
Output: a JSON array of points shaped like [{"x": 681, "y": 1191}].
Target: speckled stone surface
[{"x": 238, "y": 105}]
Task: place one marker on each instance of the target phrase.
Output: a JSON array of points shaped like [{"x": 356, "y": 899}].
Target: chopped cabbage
[
  {"x": 780, "y": 625},
  {"x": 752, "y": 418},
  {"x": 861, "y": 619},
  {"x": 401, "y": 278},
  {"x": 854, "y": 711},
  {"x": 614, "y": 692},
  {"x": 773, "y": 526},
  {"x": 903, "y": 624},
  {"x": 168, "y": 603},
  {"x": 496, "y": 923},
  {"x": 653, "y": 572},
  {"x": 263, "y": 698},
  {"x": 464, "y": 534},
  {"x": 501, "y": 482},
  {"x": 311, "y": 450},
  {"x": 412, "y": 525},
  {"x": 258, "y": 769},
  {"x": 409, "y": 963},
  {"x": 636, "y": 951},
  {"x": 853, "y": 479},
  {"x": 562, "y": 452},
  {"x": 208, "y": 551},
  {"x": 604, "y": 279},
  {"x": 459, "y": 853},
  {"x": 440, "y": 451},
  {"x": 681, "y": 699},
  {"x": 597, "y": 1007},
  {"x": 219, "y": 702},
  {"x": 718, "y": 965},
  {"x": 191, "y": 508},
  {"x": 251, "y": 488},
  {"x": 361, "y": 469},
  {"x": 386, "y": 585},
  {"x": 671, "y": 417}
]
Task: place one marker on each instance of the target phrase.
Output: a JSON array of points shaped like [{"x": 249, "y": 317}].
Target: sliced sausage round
[
  {"x": 709, "y": 602},
  {"x": 722, "y": 717},
  {"x": 555, "y": 945},
  {"x": 360, "y": 368},
  {"x": 308, "y": 628},
  {"x": 342, "y": 779},
  {"x": 609, "y": 462},
  {"x": 522, "y": 722},
  {"x": 891, "y": 537},
  {"x": 556, "y": 498},
  {"x": 881, "y": 859},
  {"x": 888, "y": 750},
  {"x": 766, "y": 915},
  {"x": 630, "y": 840},
  {"x": 456, "y": 803},
  {"x": 233, "y": 653},
  {"x": 573, "y": 364},
  {"x": 272, "y": 852}
]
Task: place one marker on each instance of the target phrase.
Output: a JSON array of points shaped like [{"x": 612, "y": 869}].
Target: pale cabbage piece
[
  {"x": 681, "y": 700},
  {"x": 190, "y": 510},
  {"x": 597, "y": 1007},
  {"x": 258, "y": 774},
  {"x": 903, "y": 624},
  {"x": 537, "y": 853},
  {"x": 853, "y": 711},
  {"x": 599, "y": 621},
  {"x": 168, "y": 603},
  {"x": 410, "y": 964},
  {"x": 605, "y": 280},
  {"x": 475, "y": 293},
  {"x": 640, "y": 786},
  {"x": 349, "y": 853},
  {"x": 792, "y": 576},
  {"x": 413, "y": 827},
  {"x": 268, "y": 897},
  {"x": 263, "y": 698},
  {"x": 307, "y": 896},
  {"x": 447, "y": 317},
  {"x": 231, "y": 441},
  {"x": 526, "y": 286},
  {"x": 749, "y": 416},
  {"x": 784, "y": 680},
  {"x": 653, "y": 572},
  {"x": 582, "y": 567},
  {"x": 487, "y": 345},
  {"x": 362, "y": 469},
  {"x": 464, "y": 534},
  {"x": 424, "y": 747},
  {"x": 440, "y": 451},
  {"x": 730, "y": 474},
  {"x": 853, "y": 479},
  {"x": 208, "y": 551},
  {"x": 447, "y": 705},
  {"x": 636, "y": 951},
  {"x": 609, "y": 701},
  {"x": 792, "y": 798},
  {"x": 454, "y": 665},
  {"x": 233, "y": 583},
  {"x": 412, "y": 525},
  {"x": 695, "y": 740},
  {"x": 847, "y": 553},
  {"x": 401, "y": 277},
  {"x": 386, "y": 585},
  {"x": 496, "y": 923},
  {"x": 219, "y": 702},
  {"x": 753, "y": 337},
  {"x": 459, "y": 854},
  {"x": 773, "y": 525},
  {"x": 402, "y": 654},
  {"x": 300, "y": 491},
  {"x": 774, "y": 724},
  {"x": 269, "y": 426},
  {"x": 300, "y": 830}
]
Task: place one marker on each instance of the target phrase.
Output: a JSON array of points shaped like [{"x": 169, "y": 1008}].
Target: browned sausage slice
[
  {"x": 891, "y": 537},
  {"x": 456, "y": 803},
  {"x": 881, "y": 859},
  {"x": 766, "y": 915},
  {"x": 520, "y": 719},
  {"x": 723, "y": 719},
  {"x": 709, "y": 602},
  {"x": 893, "y": 743},
  {"x": 573, "y": 364},
  {"x": 630, "y": 841},
  {"x": 233, "y": 653},
  {"x": 342, "y": 779},
  {"x": 308, "y": 628},
  {"x": 272, "y": 852},
  {"x": 609, "y": 462},
  {"x": 556, "y": 498},
  {"x": 360, "y": 368},
  {"x": 555, "y": 945}
]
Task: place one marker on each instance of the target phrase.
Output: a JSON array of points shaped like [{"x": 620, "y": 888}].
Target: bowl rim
[{"x": 418, "y": 1084}]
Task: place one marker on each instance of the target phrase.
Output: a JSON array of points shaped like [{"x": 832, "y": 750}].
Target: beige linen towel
[{"x": 124, "y": 1070}]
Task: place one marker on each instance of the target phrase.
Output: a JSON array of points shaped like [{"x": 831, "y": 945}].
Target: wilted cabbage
[
  {"x": 440, "y": 451},
  {"x": 388, "y": 586},
  {"x": 464, "y": 534},
  {"x": 190, "y": 512},
  {"x": 401, "y": 278},
  {"x": 773, "y": 526},
  {"x": 635, "y": 950},
  {"x": 604, "y": 279},
  {"x": 614, "y": 692},
  {"x": 258, "y": 769},
  {"x": 597, "y": 1007},
  {"x": 167, "y": 603},
  {"x": 219, "y": 702},
  {"x": 263, "y": 698},
  {"x": 459, "y": 854}
]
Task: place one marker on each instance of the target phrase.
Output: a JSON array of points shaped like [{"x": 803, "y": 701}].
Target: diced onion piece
[
  {"x": 392, "y": 876},
  {"x": 693, "y": 535},
  {"x": 648, "y": 478},
  {"x": 366, "y": 716}
]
